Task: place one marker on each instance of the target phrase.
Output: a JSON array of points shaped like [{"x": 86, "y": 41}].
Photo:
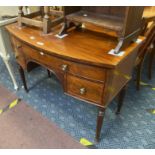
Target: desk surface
[
  {"x": 149, "y": 11},
  {"x": 84, "y": 46}
]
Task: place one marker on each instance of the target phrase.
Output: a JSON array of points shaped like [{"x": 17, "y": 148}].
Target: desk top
[
  {"x": 149, "y": 11},
  {"x": 83, "y": 46}
]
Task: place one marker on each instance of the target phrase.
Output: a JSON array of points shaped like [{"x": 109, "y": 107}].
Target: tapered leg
[
  {"x": 138, "y": 77},
  {"x": 22, "y": 75},
  {"x": 49, "y": 73},
  {"x": 152, "y": 54},
  {"x": 100, "y": 117},
  {"x": 63, "y": 29},
  {"x": 121, "y": 99}
]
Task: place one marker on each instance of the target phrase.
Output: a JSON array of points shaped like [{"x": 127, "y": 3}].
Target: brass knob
[
  {"x": 82, "y": 91},
  {"x": 64, "y": 67}
]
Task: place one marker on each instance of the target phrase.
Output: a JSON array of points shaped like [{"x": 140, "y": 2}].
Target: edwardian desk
[{"x": 80, "y": 61}]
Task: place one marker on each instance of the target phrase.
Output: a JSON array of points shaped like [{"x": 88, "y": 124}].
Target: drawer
[
  {"x": 87, "y": 71},
  {"x": 77, "y": 69},
  {"x": 84, "y": 89},
  {"x": 43, "y": 58}
]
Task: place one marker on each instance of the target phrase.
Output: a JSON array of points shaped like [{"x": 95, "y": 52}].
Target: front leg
[
  {"x": 100, "y": 118},
  {"x": 49, "y": 73},
  {"x": 67, "y": 25},
  {"x": 63, "y": 29},
  {"x": 22, "y": 75},
  {"x": 121, "y": 99},
  {"x": 152, "y": 55}
]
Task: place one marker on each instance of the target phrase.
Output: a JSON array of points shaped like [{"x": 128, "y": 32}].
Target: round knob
[
  {"x": 82, "y": 91},
  {"x": 41, "y": 53},
  {"x": 64, "y": 67}
]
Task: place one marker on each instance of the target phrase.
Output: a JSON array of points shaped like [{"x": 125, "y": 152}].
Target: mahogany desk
[{"x": 80, "y": 61}]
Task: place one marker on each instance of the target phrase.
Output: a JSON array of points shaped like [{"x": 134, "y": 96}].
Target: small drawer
[
  {"x": 44, "y": 58},
  {"x": 87, "y": 71},
  {"x": 84, "y": 89},
  {"x": 34, "y": 54}
]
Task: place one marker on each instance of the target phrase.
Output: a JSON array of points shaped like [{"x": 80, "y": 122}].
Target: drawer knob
[
  {"x": 64, "y": 67},
  {"x": 41, "y": 53},
  {"x": 82, "y": 91}
]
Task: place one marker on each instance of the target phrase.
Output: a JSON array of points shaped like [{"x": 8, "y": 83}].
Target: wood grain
[{"x": 91, "y": 48}]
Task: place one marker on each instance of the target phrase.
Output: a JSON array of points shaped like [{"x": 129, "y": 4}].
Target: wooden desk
[{"x": 80, "y": 61}]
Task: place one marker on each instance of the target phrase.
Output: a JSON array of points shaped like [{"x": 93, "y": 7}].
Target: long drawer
[{"x": 77, "y": 69}]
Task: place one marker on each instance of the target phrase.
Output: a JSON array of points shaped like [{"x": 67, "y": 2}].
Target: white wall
[
  {"x": 13, "y": 10},
  {"x": 8, "y": 10}
]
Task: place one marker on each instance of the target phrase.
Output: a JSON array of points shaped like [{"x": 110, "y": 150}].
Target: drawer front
[
  {"x": 43, "y": 58},
  {"x": 86, "y": 71},
  {"x": 84, "y": 89},
  {"x": 77, "y": 69}
]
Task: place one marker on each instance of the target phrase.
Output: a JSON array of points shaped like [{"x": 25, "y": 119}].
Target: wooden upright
[
  {"x": 46, "y": 23},
  {"x": 125, "y": 22}
]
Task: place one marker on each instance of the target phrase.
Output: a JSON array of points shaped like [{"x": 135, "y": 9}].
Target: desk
[{"x": 80, "y": 61}]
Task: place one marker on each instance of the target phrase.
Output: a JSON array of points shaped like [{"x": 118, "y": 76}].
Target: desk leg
[
  {"x": 22, "y": 75},
  {"x": 138, "y": 76},
  {"x": 152, "y": 55},
  {"x": 121, "y": 99},
  {"x": 49, "y": 73},
  {"x": 100, "y": 117}
]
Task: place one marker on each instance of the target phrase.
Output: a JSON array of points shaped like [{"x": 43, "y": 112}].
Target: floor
[
  {"x": 133, "y": 128},
  {"x": 22, "y": 127}
]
